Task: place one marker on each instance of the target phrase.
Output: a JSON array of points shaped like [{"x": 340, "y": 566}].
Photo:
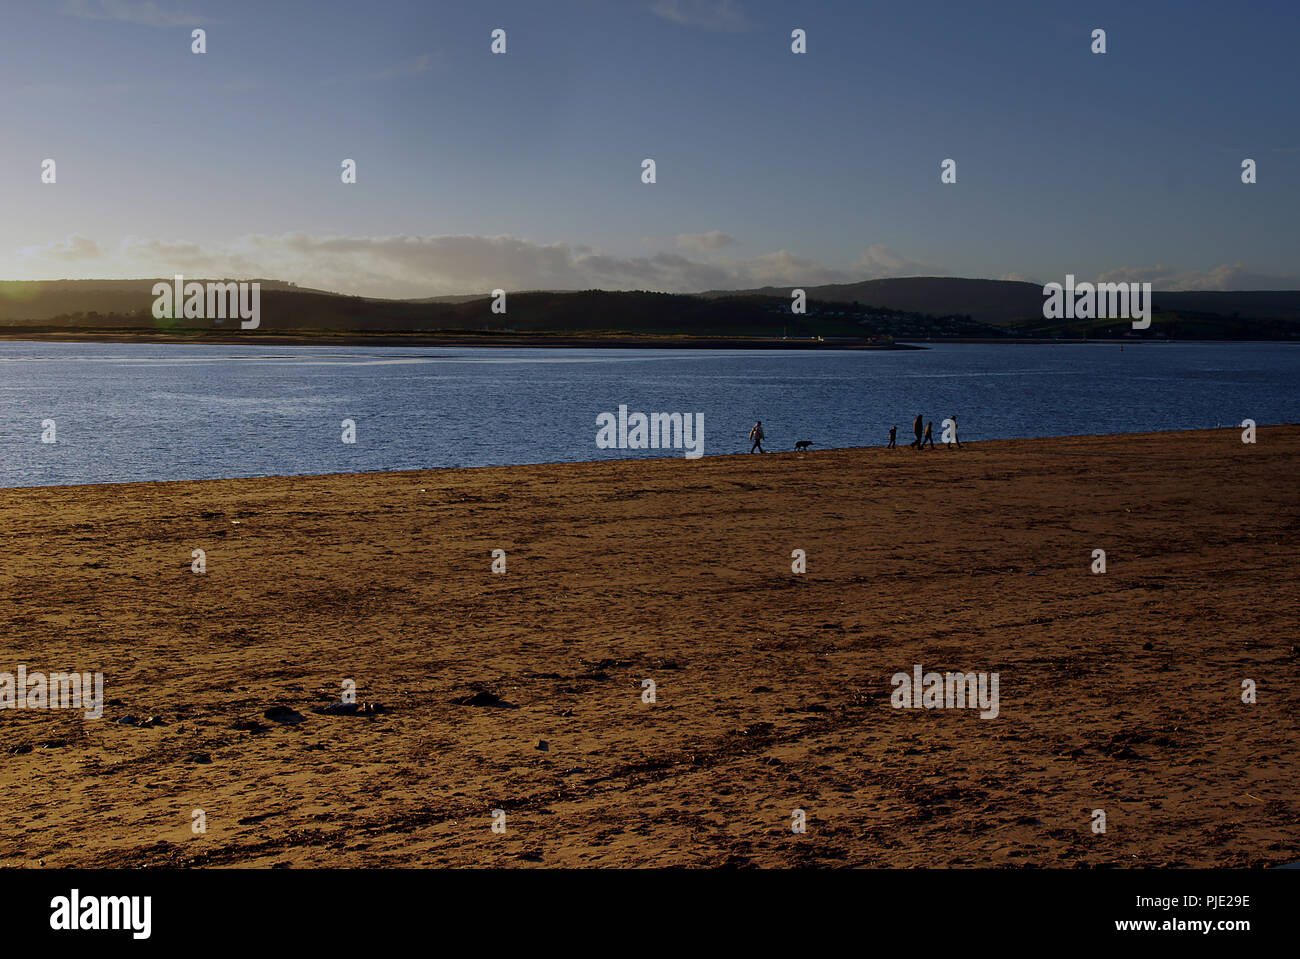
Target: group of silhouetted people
[{"x": 924, "y": 433}]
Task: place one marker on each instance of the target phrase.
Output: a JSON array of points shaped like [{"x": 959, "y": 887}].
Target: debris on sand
[
  {"x": 483, "y": 698},
  {"x": 352, "y": 709},
  {"x": 284, "y": 714},
  {"x": 252, "y": 820}
]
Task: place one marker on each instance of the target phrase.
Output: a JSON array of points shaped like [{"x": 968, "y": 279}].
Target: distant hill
[
  {"x": 907, "y": 308},
  {"x": 45, "y": 299},
  {"x": 121, "y": 305},
  {"x": 990, "y": 301},
  {"x": 1005, "y": 302},
  {"x": 1247, "y": 305}
]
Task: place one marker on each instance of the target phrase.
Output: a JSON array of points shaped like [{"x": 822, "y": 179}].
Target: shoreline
[
  {"x": 541, "y": 340},
  {"x": 578, "y": 341},
  {"x": 1119, "y": 692},
  {"x": 1010, "y": 442}
]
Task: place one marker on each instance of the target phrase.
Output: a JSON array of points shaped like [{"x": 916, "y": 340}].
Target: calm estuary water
[{"x": 127, "y": 412}]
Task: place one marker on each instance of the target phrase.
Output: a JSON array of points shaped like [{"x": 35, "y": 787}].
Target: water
[{"x": 128, "y": 412}]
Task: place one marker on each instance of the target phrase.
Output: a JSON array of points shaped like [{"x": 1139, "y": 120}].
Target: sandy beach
[{"x": 1119, "y": 691}]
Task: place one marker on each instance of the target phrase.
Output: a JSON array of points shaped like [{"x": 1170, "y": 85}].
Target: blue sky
[{"x": 522, "y": 170}]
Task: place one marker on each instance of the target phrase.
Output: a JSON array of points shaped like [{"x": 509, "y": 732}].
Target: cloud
[
  {"x": 413, "y": 265},
  {"x": 703, "y": 242},
  {"x": 1137, "y": 274},
  {"x": 74, "y": 247},
  {"x": 407, "y": 265},
  {"x": 147, "y": 13},
  {"x": 879, "y": 261},
  {"x": 427, "y": 265},
  {"x": 724, "y": 16},
  {"x": 783, "y": 268},
  {"x": 170, "y": 251},
  {"x": 148, "y": 256},
  {"x": 1220, "y": 279}
]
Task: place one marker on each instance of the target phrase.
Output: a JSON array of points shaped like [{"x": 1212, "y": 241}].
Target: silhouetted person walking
[
  {"x": 916, "y": 428},
  {"x": 756, "y": 434},
  {"x": 893, "y": 438},
  {"x": 929, "y": 436}
]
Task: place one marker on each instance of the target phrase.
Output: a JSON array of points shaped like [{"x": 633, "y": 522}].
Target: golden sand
[{"x": 1118, "y": 691}]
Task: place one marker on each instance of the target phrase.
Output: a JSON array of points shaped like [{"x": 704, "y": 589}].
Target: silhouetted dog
[{"x": 802, "y": 446}]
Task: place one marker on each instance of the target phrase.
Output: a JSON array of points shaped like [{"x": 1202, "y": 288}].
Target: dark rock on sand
[
  {"x": 283, "y": 714},
  {"x": 483, "y": 698}
]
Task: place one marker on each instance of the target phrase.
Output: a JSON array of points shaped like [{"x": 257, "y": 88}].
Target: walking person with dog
[{"x": 756, "y": 434}]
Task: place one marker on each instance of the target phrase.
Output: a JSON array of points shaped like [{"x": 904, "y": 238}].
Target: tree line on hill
[{"x": 831, "y": 312}]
